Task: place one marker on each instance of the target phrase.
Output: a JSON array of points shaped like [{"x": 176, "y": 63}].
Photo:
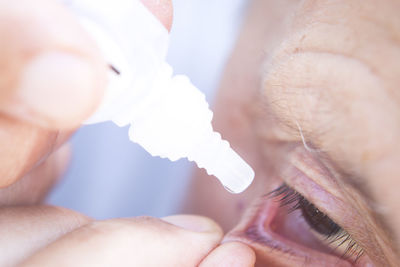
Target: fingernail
[
  {"x": 193, "y": 223},
  {"x": 57, "y": 87}
]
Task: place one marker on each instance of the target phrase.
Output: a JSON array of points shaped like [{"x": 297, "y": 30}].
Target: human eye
[
  {"x": 332, "y": 235},
  {"x": 309, "y": 218}
]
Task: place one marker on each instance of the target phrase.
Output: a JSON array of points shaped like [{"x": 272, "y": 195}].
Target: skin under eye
[
  {"x": 285, "y": 229},
  {"x": 329, "y": 232},
  {"x": 305, "y": 223}
]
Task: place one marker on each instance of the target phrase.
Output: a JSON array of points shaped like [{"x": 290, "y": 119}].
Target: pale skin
[
  {"x": 314, "y": 90},
  {"x": 315, "y": 87},
  {"x": 46, "y": 62}
]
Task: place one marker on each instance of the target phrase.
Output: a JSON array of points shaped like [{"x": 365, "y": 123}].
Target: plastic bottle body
[
  {"x": 169, "y": 116},
  {"x": 131, "y": 40},
  {"x": 176, "y": 123}
]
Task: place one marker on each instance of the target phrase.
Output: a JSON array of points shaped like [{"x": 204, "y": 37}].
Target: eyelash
[{"x": 317, "y": 220}]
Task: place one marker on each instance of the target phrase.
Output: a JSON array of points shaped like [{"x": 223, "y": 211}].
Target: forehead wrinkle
[
  {"x": 364, "y": 31},
  {"x": 340, "y": 98},
  {"x": 355, "y": 134}
]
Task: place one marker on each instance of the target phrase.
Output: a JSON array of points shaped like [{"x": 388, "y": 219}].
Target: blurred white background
[{"x": 111, "y": 177}]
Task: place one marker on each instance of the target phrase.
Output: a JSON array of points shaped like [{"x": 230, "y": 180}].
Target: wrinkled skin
[{"x": 315, "y": 90}]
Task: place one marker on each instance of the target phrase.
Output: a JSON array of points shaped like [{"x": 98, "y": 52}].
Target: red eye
[{"x": 285, "y": 229}]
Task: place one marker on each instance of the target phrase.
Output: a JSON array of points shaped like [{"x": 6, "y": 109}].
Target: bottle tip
[
  {"x": 239, "y": 179},
  {"x": 236, "y": 175}
]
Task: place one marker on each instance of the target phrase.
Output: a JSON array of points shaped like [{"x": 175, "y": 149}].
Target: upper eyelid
[
  {"x": 314, "y": 167},
  {"x": 288, "y": 196},
  {"x": 341, "y": 211},
  {"x": 326, "y": 202},
  {"x": 358, "y": 186},
  {"x": 327, "y": 197}
]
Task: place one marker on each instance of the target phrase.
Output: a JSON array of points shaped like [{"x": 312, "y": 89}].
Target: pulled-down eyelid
[{"x": 259, "y": 229}]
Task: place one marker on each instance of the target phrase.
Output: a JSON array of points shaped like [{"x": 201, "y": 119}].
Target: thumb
[
  {"x": 182, "y": 240},
  {"x": 50, "y": 71}
]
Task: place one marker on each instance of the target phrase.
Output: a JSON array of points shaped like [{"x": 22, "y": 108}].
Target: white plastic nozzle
[
  {"x": 220, "y": 160},
  {"x": 178, "y": 125},
  {"x": 169, "y": 116}
]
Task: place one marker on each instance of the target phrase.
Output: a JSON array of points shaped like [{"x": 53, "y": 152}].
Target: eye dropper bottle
[{"x": 168, "y": 116}]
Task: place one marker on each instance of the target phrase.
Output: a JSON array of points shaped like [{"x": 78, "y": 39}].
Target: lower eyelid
[{"x": 258, "y": 230}]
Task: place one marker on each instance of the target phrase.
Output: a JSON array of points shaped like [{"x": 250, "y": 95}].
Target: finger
[
  {"x": 22, "y": 147},
  {"x": 23, "y": 144},
  {"x": 51, "y": 72},
  {"x": 24, "y": 230},
  {"x": 231, "y": 254},
  {"x": 141, "y": 241},
  {"x": 33, "y": 188},
  {"x": 162, "y": 10}
]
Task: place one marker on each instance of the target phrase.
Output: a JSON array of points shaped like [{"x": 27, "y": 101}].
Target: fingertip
[
  {"x": 57, "y": 90},
  {"x": 155, "y": 243},
  {"x": 162, "y": 9},
  {"x": 51, "y": 79},
  {"x": 31, "y": 228},
  {"x": 55, "y": 80},
  {"x": 230, "y": 254},
  {"x": 194, "y": 223},
  {"x": 34, "y": 187}
]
